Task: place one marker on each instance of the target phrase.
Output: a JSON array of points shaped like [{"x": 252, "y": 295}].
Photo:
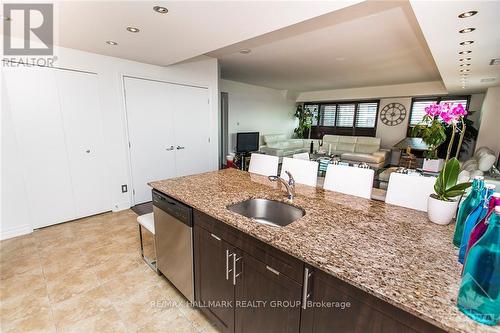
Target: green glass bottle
[
  {"x": 479, "y": 295},
  {"x": 467, "y": 206}
]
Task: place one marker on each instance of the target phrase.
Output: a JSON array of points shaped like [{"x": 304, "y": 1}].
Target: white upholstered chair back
[
  {"x": 266, "y": 165},
  {"x": 302, "y": 156},
  {"x": 349, "y": 180},
  {"x": 411, "y": 191},
  {"x": 304, "y": 172}
]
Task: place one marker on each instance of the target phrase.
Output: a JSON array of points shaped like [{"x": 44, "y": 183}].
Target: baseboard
[
  {"x": 121, "y": 206},
  {"x": 14, "y": 232}
]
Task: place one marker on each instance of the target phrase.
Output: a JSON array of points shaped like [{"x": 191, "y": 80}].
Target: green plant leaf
[
  {"x": 460, "y": 187},
  {"x": 450, "y": 173}
]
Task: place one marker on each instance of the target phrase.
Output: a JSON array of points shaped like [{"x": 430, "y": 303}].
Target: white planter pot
[
  {"x": 441, "y": 212},
  {"x": 433, "y": 165}
]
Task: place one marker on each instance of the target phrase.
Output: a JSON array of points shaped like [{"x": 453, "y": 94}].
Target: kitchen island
[{"x": 392, "y": 254}]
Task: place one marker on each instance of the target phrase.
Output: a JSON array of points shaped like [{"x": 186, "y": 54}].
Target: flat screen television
[{"x": 247, "y": 142}]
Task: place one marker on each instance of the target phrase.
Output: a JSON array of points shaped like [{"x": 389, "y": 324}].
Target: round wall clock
[{"x": 393, "y": 114}]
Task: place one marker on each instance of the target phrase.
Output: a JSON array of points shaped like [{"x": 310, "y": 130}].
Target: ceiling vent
[
  {"x": 490, "y": 79},
  {"x": 495, "y": 61}
]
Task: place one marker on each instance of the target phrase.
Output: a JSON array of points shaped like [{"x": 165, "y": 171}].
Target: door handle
[
  {"x": 305, "y": 291},
  {"x": 227, "y": 264},
  {"x": 180, "y": 147},
  {"x": 272, "y": 270},
  {"x": 216, "y": 237},
  {"x": 170, "y": 148},
  {"x": 235, "y": 260}
]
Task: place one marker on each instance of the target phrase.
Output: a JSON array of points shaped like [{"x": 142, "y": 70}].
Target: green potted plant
[
  {"x": 432, "y": 132},
  {"x": 305, "y": 117},
  {"x": 442, "y": 205}
]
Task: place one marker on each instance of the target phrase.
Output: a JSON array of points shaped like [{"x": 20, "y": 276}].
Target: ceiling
[
  {"x": 189, "y": 29},
  {"x": 370, "y": 44},
  {"x": 443, "y": 38}
]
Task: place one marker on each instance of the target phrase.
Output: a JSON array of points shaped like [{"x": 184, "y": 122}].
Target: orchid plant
[{"x": 432, "y": 127}]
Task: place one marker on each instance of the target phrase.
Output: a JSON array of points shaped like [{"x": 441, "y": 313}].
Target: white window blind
[
  {"x": 366, "y": 115},
  {"x": 328, "y": 113},
  {"x": 345, "y": 115},
  {"x": 314, "y": 110},
  {"x": 418, "y": 107}
]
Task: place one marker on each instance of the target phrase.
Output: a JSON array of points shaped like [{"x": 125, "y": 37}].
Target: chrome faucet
[{"x": 290, "y": 185}]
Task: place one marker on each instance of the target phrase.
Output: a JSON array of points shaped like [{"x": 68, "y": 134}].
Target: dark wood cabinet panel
[
  {"x": 285, "y": 263},
  {"x": 266, "y": 300},
  {"x": 214, "y": 289},
  {"x": 335, "y": 306}
]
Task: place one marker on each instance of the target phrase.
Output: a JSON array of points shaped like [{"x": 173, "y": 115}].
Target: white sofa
[
  {"x": 354, "y": 149},
  {"x": 279, "y": 145},
  {"x": 481, "y": 164}
]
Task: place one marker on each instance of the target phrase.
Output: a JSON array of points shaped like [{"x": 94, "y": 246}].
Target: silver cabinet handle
[
  {"x": 170, "y": 148},
  {"x": 180, "y": 147},
  {"x": 305, "y": 291},
  {"x": 235, "y": 260},
  {"x": 227, "y": 264},
  {"x": 272, "y": 270},
  {"x": 216, "y": 237}
]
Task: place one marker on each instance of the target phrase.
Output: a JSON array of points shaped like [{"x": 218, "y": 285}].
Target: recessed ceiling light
[
  {"x": 464, "y": 65},
  {"x": 464, "y": 70},
  {"x": 466, "y": 30},
  {"x": 133, "y": 29},
  {"x": 465, "y": 52},
  {"x": 468, "y": 14},
  {"x": 110, "y": 42},
  {"x": 495, "y": 61},
  {"x": 467, "y": 42},
  {"x": 245, "y": 51},
  {"x": 465, "y": 59},
  {"x": 160, "y": 9}
]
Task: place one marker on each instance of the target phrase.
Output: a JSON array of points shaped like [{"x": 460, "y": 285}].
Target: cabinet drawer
[{"x": 282, "y": 262}]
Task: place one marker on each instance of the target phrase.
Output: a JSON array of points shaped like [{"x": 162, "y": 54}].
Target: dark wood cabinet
[
  {"x": 246, "y": 286},
  {"x": 336, "y": 306},
  {"x": 214, "y": 288},
  {"x": 266, "y": 300}
]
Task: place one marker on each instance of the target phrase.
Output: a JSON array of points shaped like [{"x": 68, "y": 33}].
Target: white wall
[
  {"x": 489, "y": 132},
  {"x": 202, "y": 71},
  {"x": 258, "y": 109},
  {"x": 390, "y": 135},
  {"x": 399, "y": 90}
]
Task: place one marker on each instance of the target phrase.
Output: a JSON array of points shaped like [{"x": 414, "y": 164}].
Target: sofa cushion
[
  {"x": 367, "y": 145},
  {"x": 273, "y": 138},
  {"x": 330, "y": 138},
  {"x": 359, "y": 157},
  {"x": 347, "y": 147}
]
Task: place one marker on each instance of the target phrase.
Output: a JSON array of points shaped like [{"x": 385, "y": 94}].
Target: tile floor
[{"x": 87, "y": 276}]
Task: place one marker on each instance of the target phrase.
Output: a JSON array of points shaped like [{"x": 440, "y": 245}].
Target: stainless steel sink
[{"x": 268, "y": 212}]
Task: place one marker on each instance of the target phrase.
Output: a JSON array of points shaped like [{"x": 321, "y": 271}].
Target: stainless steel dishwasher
[{"x": 174, "y": 242}]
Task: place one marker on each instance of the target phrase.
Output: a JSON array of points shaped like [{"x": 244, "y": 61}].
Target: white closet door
[
  {"x": 192, "y": 129},
  {"x": 81, "y": 115},
  {"x": 151, "y": 134},
  {"x": 38, "y": 125}
]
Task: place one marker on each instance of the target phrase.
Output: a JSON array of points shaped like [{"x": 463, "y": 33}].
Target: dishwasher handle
[{"x": 173, "y": 207}]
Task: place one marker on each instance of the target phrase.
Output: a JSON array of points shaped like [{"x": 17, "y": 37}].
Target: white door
[
  {"x": 36, "y": 115},
  {"x": 151, "y": 134},
  {"x": 81, "y": 115},
  {"x": 192, "y": 129}
]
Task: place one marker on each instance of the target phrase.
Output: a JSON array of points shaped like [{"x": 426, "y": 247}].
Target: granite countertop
[{"x": 391, "y": 252}]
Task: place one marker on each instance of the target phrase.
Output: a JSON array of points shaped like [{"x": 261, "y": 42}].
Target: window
[
  {"x": 344, "y": 118},
  {"x": 346, "y": 115},
  {"x": 314, "y": 110},
  {"x": 328, "y": 113},
  {"x": 366, "y": 116},
  {"x": 419, "y": 104}
]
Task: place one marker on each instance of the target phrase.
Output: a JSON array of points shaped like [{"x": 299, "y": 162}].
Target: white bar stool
[{"x": 147, "y": 222}]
